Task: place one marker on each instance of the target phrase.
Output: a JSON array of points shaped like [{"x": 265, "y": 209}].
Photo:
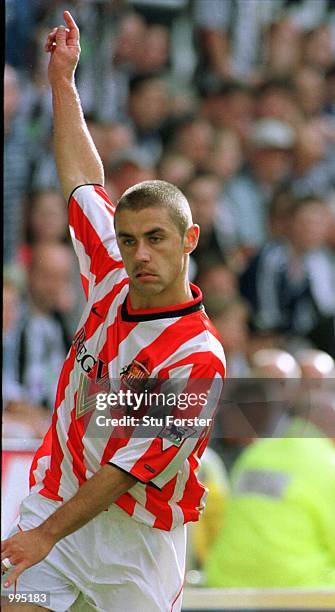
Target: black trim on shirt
[
  {"x": 83, "y": 185},
  {"x": 169, "y": 314},
  {"x": 152, "y": 484}
]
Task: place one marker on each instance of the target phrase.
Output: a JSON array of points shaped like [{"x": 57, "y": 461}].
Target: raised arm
[{"x": 77, "y": 159}]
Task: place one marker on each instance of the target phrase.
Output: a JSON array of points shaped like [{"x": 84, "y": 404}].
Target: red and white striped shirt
[{"x": 172, "y": 342}]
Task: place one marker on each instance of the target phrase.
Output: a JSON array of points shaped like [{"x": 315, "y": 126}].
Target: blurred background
[{"x": 234, "y": 102}]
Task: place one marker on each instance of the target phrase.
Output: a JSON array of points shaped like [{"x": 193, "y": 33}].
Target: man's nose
[{"x": 142, "y": 252}]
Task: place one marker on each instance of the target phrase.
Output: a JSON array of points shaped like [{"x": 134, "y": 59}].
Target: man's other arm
[{"x": 77, "y": 159}]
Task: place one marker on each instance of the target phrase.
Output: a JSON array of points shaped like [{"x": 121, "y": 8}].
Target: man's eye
[
  {"x": 128, "y": 242},
  {"x": 155, "y": 239}
]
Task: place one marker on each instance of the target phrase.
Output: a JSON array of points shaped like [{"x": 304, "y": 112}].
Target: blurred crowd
[{"x": 234, "y": 102}]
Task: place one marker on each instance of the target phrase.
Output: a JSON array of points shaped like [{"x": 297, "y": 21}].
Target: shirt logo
[
  {"x": 83, "y": 357},
  {"x": 135, "y": 376},
  {"x": 175, "y": 436},
  {"x": 94, "y": 377}
]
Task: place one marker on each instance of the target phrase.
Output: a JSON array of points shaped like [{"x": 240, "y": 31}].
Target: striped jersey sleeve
[
  {"x": 91, "y": 221},
  {"x": 197, "y": 388}
]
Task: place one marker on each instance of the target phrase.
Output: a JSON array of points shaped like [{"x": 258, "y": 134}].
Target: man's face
[
  {"x": 153, "y": 251},
  {"x": 149, "y": 105},
  {"x": 309, "y": 227},
  {"x": 50, "y": 279},
  {"x": 271, "y": 164},
  {"x": 204, "y": 201}
]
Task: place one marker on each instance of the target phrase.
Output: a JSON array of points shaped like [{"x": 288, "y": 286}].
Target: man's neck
[{"x": 169, "y": 297}]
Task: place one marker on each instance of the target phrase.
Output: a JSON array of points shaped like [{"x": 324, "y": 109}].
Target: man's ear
[{"x": 191, "y": 238}]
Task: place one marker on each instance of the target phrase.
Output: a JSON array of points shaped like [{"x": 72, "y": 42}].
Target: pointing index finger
[{"x": 70, "y": 22}]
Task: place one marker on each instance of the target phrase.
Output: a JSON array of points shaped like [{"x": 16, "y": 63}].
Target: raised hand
[{"x": 63, "y": 45}]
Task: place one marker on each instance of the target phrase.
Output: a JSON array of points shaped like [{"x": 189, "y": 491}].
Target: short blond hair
[{"x": 158, "y": 194}]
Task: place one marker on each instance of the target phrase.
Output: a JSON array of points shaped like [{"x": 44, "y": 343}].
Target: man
[
  {"x": 36, "y": 344},
  {"x": 106, "y": 514},
  {"x": 279, "y": 529},
  {"x": 290, "y": 284},
  {"x": 247, "y": 194}
]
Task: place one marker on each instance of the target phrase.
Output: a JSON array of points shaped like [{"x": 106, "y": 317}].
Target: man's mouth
[{"x": 145, "y": 275}]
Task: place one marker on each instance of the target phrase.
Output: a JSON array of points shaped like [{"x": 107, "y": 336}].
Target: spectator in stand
[
  {"x": 231, "y": 319},
  {"x": 225, "y": 158},
  {"x": 37, "y": 107},
  {"x": 121, "y": 39},
  {"x": 47, "y": 222},
  {"x": 230, "y": 37},
  {"x": 311, "y": 91},
  {"x": 137, "y": 50},
  {"x": 20, "y": 26},
  {"x": 149, "y": 108},
  {"x": 247, "y": 195},
  {"x": 217, "y": 281},
  {"x": 193, "y": 138},
  {"x": 279, "y": 529},
  {"x": 153, "y": 56},
  {"x": 276, "y": 98},
  {"x": 129, "y": 39},
  {"x": 44, "y": 175},
  {"x": 283, "y": 50},
  {"x": 16, "y": 156},
  {"x": 175, "y": 168},
  {"x": 280, "y": 214},
  {"x": 317, "y": 48},
  {"x": 290, "y": 285},
  {"x": 35, "y": 364},
  {"x": 111, "y": 139},
  {"x": 203, "y": 194},
  {"x": 130, "y": 167},
  {"x": 228, "y": 105},
  {"x": 254, "y": 406},
  {"x": 313, "y": 168},
  {"x": 21, "y": 417}
]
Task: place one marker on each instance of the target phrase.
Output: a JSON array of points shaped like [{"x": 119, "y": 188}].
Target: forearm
[
  {"x": 77, "y": 159},
  {"x": 107, "y": 485}
]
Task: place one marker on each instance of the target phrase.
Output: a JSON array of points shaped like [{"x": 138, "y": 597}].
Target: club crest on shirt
[{"x": 136, "y": 375}]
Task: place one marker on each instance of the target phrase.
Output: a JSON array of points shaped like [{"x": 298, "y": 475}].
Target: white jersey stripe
[
  {"x": 182, "y": 478},
  {"x": 99, "y": 215}
]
